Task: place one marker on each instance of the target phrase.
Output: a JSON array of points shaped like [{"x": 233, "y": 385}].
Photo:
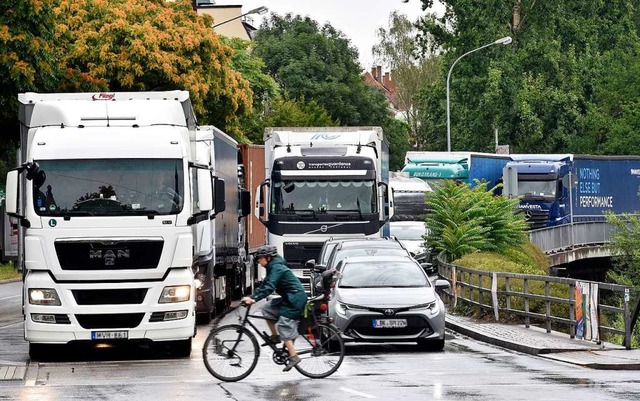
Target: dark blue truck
[{"x": 560, "y": 189}]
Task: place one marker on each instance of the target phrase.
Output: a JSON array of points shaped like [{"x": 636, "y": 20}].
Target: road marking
[
  {"x": 13, "y": 296},
  {"x": 354, "y": 392}
]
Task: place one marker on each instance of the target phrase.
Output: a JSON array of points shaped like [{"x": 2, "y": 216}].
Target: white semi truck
[
  {"x": 115, "y": 194},
  {"x": 321, "y": 183}
]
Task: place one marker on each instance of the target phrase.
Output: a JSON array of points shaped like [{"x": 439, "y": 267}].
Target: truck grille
[
  {"x": 296, "y": 254},
  {"x": 536, "y": 218},
  {"x": 109, "y": 297},
  {"x": 120, "y": 321},
  {"x": 108, "y": 255}
]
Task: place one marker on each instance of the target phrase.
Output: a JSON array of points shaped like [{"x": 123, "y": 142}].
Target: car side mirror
[
  {"x": 442, "y": 284},
  {"x": 319, "y": 268},
  {"x": 310, "y": 264},
  {"x": 427, "y": 267}
]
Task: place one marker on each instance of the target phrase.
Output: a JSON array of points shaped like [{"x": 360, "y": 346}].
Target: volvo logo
[
  {"x": 109, "y": 256},
  {"x": 323, "y": 228},
  {"x": 389, "y": 312}
]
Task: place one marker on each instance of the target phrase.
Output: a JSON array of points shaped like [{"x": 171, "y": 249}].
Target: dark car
[{"x": 387, "y": 299}]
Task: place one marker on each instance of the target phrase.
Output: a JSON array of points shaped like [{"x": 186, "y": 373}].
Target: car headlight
[
  {"x": 341, "y": 309},
  {"x": 175, "y": 293},
  {"x": 432, "y": 307},
  {"x": 43, "y": 296}
]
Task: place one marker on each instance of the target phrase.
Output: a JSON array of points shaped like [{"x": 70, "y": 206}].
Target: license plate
[
  {"x": 109, "y": 335},
  {"x": 389, "y": 323}
]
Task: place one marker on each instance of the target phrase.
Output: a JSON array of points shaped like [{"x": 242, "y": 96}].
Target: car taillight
[{"x": 323, "y": 307}]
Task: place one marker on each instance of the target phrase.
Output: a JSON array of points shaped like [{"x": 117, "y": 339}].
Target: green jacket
[{"x": 282, "y": 280}]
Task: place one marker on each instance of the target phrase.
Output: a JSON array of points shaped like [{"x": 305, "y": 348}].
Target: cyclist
[{"x": 285, "y": 312}]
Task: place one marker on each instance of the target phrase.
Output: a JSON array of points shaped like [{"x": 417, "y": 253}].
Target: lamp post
[
  {"x": 503, "y": 41},
  {"x": 260, "y": 10}
]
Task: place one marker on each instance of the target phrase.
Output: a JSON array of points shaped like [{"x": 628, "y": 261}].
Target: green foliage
[
  {"x": 566, "y": 84},
  {"x": 286, "y": 112},
  {"x": 318, "y": 63},
  {"x": 8, "y": 271},
  {"x": 265, "y": 89},
  {"x": 625, "y": 244},
  {"x": 466, "y": 220},
  {"x": 396, "y": 132},
  {"x": 29, "y": 60}
]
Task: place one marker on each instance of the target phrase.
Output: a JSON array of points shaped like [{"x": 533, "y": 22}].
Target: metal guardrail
[
  {"x": 570, "y": 236},
  {"x": 539, "y": 297}
]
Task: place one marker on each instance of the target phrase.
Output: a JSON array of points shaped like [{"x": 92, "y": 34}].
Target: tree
[
  {"x": 287, "y": 112},
  {"x": 412, "y": 69},
  {"x": 265, "y": 89},
  {"x": 318, "y": 63},
  {"x": 543, "y": 92},
  {"x": 28, "y": 62},
  {"x": 138, "y": 45},
  {"x": 465, "y": 220}
]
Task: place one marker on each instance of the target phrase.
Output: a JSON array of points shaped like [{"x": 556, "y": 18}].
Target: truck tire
[{"x": 38, "y": 352}]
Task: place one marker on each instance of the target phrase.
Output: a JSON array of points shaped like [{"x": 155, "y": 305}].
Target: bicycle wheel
[
  {"x": 230, "y": 353},
  {"x": 321, "y": 352}
]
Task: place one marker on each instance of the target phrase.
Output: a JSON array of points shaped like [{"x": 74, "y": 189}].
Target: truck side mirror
[
  {"x": 220, "y": 201},
  {"x": 261, "y": 195},
  {"x": 386, "y": 209},
  {"x": 205, "y": 195},
  {"x": 245, "y": 202},
  {"x": 12, "y": 193}
]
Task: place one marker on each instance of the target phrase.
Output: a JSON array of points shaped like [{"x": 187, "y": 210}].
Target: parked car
[{"x": 388, "y": 299}]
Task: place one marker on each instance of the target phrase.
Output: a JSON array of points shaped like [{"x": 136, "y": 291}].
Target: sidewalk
[{"x": 556, "y": 346}]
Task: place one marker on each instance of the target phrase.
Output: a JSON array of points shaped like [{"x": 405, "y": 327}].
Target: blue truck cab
[{"x": 542, "y": 182}]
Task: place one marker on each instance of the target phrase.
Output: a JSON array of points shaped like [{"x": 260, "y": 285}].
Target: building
[
  {"x": 237, "y": 25},
  {"x": 376, "y": 79}
]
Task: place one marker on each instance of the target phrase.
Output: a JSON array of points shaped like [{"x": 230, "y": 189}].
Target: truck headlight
[
  {"x": 43, "y": 296},
  {"x": 175, "y": 293}
]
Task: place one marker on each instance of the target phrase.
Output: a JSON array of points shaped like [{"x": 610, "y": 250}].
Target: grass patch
[
  {"x": 8, "y": 271},
  {"x": 528, "y": 259}
]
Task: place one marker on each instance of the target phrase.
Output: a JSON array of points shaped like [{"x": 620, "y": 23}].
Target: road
[{"x": 466, "y": 370}]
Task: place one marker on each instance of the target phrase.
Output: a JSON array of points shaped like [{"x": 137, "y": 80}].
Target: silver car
[{"x": 388, "y": 299}]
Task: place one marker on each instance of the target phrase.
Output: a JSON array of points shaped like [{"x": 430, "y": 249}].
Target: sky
[{"x": 357, "y": 19}]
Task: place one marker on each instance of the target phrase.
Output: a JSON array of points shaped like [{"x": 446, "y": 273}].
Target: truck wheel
[{"x": 180, "y": 348}]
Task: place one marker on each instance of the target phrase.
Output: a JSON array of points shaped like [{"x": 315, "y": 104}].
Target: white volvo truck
[
  {"x": 321, "y": 183},
  {"x": 114, "y": 192}
]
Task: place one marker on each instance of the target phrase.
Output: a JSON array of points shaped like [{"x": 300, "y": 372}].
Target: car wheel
[{"x": 431, "y": 345}]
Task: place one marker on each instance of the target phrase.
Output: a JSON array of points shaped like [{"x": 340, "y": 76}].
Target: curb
[
  {"x": 10, "y": 280},
  {"x": 494, "y": 340}
]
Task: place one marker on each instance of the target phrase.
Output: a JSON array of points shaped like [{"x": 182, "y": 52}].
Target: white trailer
[{"x": 111, "y": 192}]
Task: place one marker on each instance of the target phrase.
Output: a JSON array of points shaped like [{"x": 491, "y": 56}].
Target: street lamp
[
  {"x": 260, "y": 10},
  {"x": 503, "y": 41}
]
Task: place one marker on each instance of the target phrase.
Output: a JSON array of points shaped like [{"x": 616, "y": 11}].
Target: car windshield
[
  {"x": 382, "y": 274},
  {"x": 324, "y": 196},
  {"x": 413, "y": 232},
  {"x": 123, "y": 187},
  {"x": 342, "y": 254}
]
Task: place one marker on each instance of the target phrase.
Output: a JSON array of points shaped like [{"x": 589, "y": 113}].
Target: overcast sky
[{"x": 357, "y": 19}]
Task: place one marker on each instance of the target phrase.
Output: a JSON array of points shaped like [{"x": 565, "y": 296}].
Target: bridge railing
[
  {"x": 570, "y": 236},
  {"x": 545, "y": 299}
]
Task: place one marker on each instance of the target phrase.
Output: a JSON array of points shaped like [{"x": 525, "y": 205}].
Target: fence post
[
  {"x": 548, "y": 305},
  {"x": 527, "y": 319},
  {"x": 508, "y": 290},
  {"x": 627, "y": 320},
  {"x": 494, "y": 295},
  {"x": 572, "y": 310},
  {"x": 454, "y": 284}
]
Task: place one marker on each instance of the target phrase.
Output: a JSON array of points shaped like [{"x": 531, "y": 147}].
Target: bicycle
[{"x": 231, "y": 352}]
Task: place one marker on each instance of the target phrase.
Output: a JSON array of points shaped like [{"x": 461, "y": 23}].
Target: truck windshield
[
  {"x": 533, "y": 189},
  {"x": 107, "y": 187},
  {"x": 324, "y": 196}
]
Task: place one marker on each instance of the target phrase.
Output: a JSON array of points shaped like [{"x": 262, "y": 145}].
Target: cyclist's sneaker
[
  {"x": 293, "y": 361},
  {"x": 273, "y": 339}
]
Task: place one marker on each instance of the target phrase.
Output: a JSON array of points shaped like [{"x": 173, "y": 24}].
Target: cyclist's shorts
[{"x": 287, "y": 328}]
